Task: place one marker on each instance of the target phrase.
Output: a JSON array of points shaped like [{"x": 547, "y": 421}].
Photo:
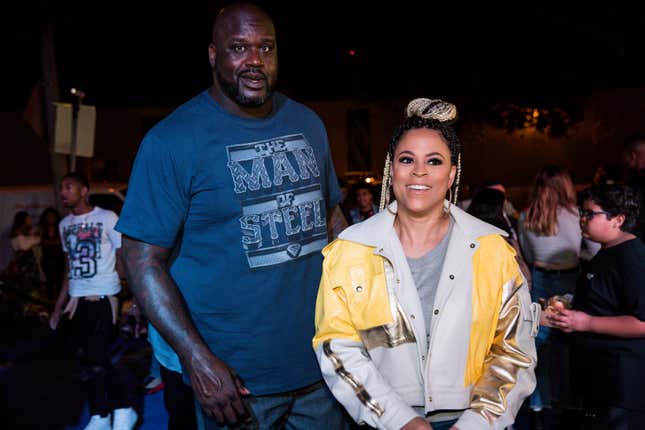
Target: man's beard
[{"x": 232, "y": 90}]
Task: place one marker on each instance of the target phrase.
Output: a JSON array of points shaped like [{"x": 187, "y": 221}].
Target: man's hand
[
  {"x": 570, "y": 321},
  {"x": 218, "y": 389},
  {"x": 417, "y": 423},
  {"x": 135, "y": 312},
  {"x": 54, "y": 318}
]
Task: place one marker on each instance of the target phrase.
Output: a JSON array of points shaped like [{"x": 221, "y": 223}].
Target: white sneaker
[
  {"x": 98, "y": 422},
  {"x": 124, "y": 419}
]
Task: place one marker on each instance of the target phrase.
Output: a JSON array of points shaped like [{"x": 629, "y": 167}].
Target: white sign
[{"x": 63, "y": 133}]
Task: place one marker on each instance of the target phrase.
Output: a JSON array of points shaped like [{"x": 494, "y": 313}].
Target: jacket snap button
[
  {"x": 412, "y": 316},
  {"x": 472, "y": 245},
  {"x": 452, "y": 276},
  {"x": 423, "y": 357},
  {"x": 359, "y": 289},
  {"x": 436, "y": 311},
  {"x": 430, "y": 399}
]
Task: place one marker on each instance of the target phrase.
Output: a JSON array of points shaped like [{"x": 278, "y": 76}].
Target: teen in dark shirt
[{"x": 609, "y": 313}]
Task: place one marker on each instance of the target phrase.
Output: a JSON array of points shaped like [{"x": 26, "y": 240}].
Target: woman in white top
[
  {"x": 24, "y": 268},
  {"x": 550, "y": 238},
  {"x": 22, "y": 234}
]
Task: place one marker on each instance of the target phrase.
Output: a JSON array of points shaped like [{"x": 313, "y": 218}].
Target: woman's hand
[{"x": 570, "y": 321}]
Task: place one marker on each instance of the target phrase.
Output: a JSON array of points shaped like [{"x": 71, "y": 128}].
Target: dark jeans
[
  {"x": 92, "y": 333},
  {"x": 443, "y": 425},
  {"x": 311, "y": 410},
  {"x": 553, "y": 349},
  {"x": 179, "y": 401}
]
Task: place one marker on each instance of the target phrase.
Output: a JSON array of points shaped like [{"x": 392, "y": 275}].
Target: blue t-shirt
[
  {"x": 243, "y": 202},
  {"x": 163, "y": 352}
]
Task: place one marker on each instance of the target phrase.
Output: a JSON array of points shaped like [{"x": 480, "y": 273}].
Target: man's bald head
[
  {"x": 232, "y": 12},
  {"x": 244, "y": 58}
]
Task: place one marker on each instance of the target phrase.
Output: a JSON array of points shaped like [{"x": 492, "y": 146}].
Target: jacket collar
[{"x": 376, "y": 230}]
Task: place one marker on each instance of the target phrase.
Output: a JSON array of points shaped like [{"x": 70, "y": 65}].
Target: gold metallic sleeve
[
  {"x": 504, "y": 360},
  {"x": 360, "y": 391}
]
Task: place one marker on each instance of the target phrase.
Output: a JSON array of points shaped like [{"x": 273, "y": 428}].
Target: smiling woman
[{"x": 423, "y": 316}]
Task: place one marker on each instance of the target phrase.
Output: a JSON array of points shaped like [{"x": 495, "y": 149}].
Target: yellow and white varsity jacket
[{"x": 371, "y": 337}]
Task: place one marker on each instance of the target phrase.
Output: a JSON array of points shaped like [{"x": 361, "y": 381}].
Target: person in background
[
  {"x": 23, "y": 237},
  {"x": 634, "y": 150},
  {"x": 24, "y": 271},
  {"x": 339, "y": 218},
  {"x": 510, "y": 213},
  {"x": 488, "y": 206},
  {"x": 365, "y": 206},
  {"x": 88, "y": 296},
  {"x": 550, "y": 238},
  {"x": 509, "y": 209},
  {"x": 53, "y": 259},
  {"x": 608, "y": 315}
]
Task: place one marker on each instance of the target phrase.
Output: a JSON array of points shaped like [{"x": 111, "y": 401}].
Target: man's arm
[
  {"x": 216, "y": 386},
  {"x": 62, "y": 297},
  {"x": 120, "y": 269}
]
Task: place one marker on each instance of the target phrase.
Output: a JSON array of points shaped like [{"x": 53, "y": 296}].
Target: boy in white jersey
[{"x": 90, "y": 285}]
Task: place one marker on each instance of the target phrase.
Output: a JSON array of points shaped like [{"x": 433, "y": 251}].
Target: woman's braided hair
[{"x": 433, "y": 115}]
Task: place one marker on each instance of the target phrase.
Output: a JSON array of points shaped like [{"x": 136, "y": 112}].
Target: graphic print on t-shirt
[
  {"x": 83, "y": 245},
  {"x": 283, "y": 207}
]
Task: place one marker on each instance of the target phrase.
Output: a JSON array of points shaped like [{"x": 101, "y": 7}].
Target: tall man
[
  {"x": 88, "y": 295},
  {"x": 224, "y": 223}
]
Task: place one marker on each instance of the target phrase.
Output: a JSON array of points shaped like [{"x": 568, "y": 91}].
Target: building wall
[{"x": 491, "y": 154}]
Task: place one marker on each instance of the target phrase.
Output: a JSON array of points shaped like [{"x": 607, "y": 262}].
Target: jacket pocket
[{"x": 367, "y": 297}]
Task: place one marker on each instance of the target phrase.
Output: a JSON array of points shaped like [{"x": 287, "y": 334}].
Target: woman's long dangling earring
[
  {"x": 458, "y": 179},
  {"x": 452, "y": 199},
  {"x": 385, "y": 185},
  {"x": 446, "y": 209}
]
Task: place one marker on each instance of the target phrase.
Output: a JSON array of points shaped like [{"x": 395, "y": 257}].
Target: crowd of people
[{"x": 424, "y": 311}]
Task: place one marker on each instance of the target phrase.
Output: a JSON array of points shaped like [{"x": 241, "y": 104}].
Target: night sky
[{"x": 145, "y": 53}]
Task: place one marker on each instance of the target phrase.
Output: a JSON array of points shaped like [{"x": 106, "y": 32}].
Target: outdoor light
[{"x": 77, "y": 92}]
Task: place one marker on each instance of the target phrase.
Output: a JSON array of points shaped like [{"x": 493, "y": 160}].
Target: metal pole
[
  {"x": 51, "y": 94},
  {"x": 76, "y": 106}
]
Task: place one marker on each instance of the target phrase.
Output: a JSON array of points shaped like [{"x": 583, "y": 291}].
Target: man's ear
[
  {"x": 212, "y": 51},
  {"x": 618, "y": 220}
]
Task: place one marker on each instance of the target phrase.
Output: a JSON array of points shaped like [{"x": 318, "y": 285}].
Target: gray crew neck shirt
[{"x": 426, "y": 271}]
